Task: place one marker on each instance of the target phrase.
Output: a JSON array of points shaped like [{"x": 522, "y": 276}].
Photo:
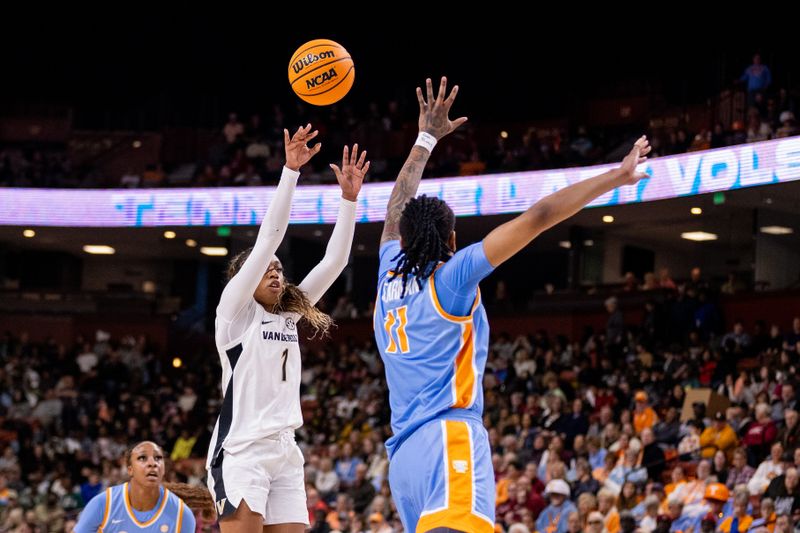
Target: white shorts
[{"x": 268, "y": 475}]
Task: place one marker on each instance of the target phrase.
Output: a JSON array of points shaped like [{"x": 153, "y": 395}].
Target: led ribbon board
[{"x": 723, "y": 169}]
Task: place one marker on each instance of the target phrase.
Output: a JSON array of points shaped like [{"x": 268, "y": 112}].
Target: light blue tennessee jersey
[
  {"x": 433, "y": 340},
  {"x": 111, "y": 512}
]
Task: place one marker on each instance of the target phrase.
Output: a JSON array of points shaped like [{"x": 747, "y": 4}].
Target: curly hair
[{"x": 291, "y": 300}]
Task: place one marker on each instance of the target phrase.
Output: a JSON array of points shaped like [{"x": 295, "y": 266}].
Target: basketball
[{"x": 321, "y": 72}]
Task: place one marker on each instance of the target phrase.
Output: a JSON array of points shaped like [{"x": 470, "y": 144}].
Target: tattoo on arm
[{"x": 404, "y": 189}]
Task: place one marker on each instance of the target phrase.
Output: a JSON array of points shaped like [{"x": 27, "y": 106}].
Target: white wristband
[{"x": 426, "y": 140}]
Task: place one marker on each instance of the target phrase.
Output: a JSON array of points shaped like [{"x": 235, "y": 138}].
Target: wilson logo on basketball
[
  {"x": 310, "y": 59},
  {"x": 321, "y": 72},
  {"x": 321, "y": 78}
]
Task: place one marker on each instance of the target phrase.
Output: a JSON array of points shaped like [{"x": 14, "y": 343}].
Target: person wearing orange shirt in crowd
[
  {"x": 606, "y": 504},
  {"x": 718, "y": 436},
  {"x": 643, "y": 415},
  {"x": 767, "y": 517},
  {"x": 695, "y": 490},
  {"x": 610, "y": 463},
  {"x": 739, "y": 521},
  {"x": 513, "y": 471},
  {"x": 678, "y": 485},
  {"x": 714, "y": 498}
]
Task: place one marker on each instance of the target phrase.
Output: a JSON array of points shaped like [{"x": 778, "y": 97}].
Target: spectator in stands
[
  {"x": 153, "y": 176},
  {"x": 184, "y": 444},
  {"x": 586, "y": 503},
  {"x": 248, "y": 177},
  {"x": 719, "y": 466},
  {"x": 650, "y": 282},
  {"x": 628, "y": 497},
  {"x": 757, "y": 130},
  {"x": 574, "y": 525},
  {"x": 690, "y": 444},
  {"x": 629, "y": 282},
  {"x": 718, "y": 436},
  {"x": 713, "y": 498},
  {"x": 737, "y": 340},
  {"x": 786, "y": 401},
  {"x": 788, "y": 125},
  {"x": 347, "y": 465},
  {"x": 510, "y": 476},
  {"x": 130, "y": 180},
  {"x": 785, "y": 491},
  {"x": 584, "y": 482},
  {"x": 789, "y": 435},
  {"x": 627, "y": 471},
  {"x": 760, "y": 434},
  {"x": 740, "y": 472},
  {"x": 648, "y": 522},
  {"x": 378, "y": 524},
  {"x": 327, "y": 481},
  {"x": 652, "y": 456},
  {"x": 595, "y": 523},
  {"x": 233, "y": 130},
  {"x": 667, "y": 431},
  {"x": 767, "y": 516},
  {"x": 792, "y": 341},
  {"x": 769, "y": 469},
  {"x": 361, "y": 490},
  {"x": 665, "y": 281},
  {"x": 644, "y": 417},
  {"x": 316, "y": 507},
  {"x": 553, "y": 519},
  {"x": 582, "y": 145},
  {"x": 783, "y": 524},
  {"x": 740, "y": 521},
  {"x": 757, "y": 78},
  {"x": 606, "y": 505}
]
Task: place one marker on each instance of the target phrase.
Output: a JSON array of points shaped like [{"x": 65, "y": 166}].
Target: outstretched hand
[
  {"x": 637, "y": 156},
  {"x": 433, "y": 113},
  {"x": 297, "y": 152},
  {"x": 351, "y": 175}
]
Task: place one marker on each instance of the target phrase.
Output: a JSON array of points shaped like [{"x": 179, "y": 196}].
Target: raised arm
[
  {"x": 434, "y": 124},
  {"x": 350, "y": 178},
  {"x": 239, "y": 290},
  {"x": 508, "y": 239}
]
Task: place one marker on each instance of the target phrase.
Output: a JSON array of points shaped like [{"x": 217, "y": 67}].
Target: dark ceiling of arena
[{"x": 177, "y": 54}]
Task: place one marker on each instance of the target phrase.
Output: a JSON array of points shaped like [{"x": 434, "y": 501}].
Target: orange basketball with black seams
[{"x": 321, "y": 72}]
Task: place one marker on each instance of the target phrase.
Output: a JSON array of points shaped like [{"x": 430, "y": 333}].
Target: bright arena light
[
  {"x": 698, "y": 236},
  {"x": 98, "y": 249},
  {"x": 214, "y": 251}
]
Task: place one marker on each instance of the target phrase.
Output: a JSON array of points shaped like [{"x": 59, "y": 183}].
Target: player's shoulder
[
  {"x": 387, "y": 254},
  {"x": 389, "y": 246},
  {"x": 470, "y": 251}
]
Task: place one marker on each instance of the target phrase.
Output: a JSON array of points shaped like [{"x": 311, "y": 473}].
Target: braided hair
[{"x": 425, "y": 227}]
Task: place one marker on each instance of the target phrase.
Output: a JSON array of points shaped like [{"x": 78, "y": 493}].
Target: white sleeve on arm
[
  {"x": 336, "y": 254},
  {"x": 239, "y": 290}
]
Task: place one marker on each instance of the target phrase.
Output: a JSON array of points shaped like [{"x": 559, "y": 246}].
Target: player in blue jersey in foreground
[
  {"x": 143, "y": 503},
  {"x": 433, "y": 334}
]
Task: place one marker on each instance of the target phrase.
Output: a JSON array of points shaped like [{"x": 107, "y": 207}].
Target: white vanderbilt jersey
[{"x": 260, "y": 382}]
